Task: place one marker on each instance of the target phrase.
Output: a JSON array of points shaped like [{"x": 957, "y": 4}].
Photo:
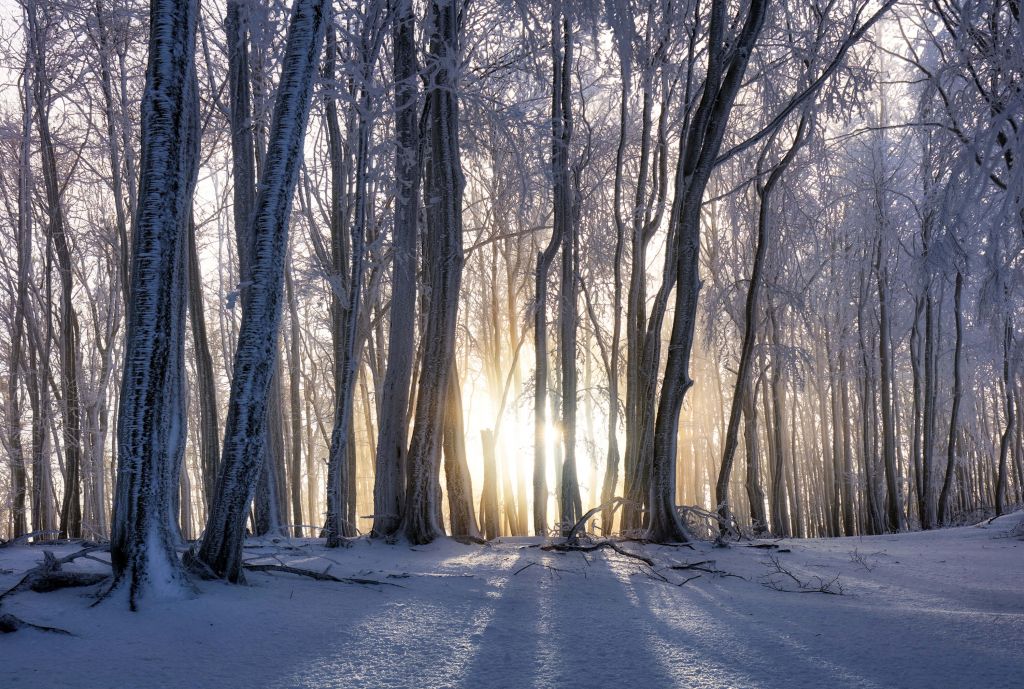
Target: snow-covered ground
[{"x": 935, "y": 609}]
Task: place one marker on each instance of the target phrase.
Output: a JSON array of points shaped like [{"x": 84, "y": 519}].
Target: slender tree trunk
[
  {"x": 19, "y": 479},
  {"x": 751, "y": 312},
  {"x": 71, "y": 505},
  {"x": 295, "y": 406},
  {"x": 340, "y": 464},
  {"x": 443, "y": 188},
  {"x": 1011, "y": 417},
  {"x": 564, "y": 217},
  {"x": 245, "y": 431},
  {"x": 954, "y": 416},
  {"x": 393, "y": 436},
  {"x": 206, "y": 381},
  {"x": 894, "y": 508}
]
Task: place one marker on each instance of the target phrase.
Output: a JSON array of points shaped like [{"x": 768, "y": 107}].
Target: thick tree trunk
[
  {"x": 245, "y": 431},
  {"x": 151, "y": 417}
]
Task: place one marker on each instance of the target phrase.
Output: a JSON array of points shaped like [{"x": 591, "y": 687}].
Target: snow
[{"x": 930, "y": 609}]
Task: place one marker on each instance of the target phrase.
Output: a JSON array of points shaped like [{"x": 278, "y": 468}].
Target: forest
[{"x": 589, "y": 275}]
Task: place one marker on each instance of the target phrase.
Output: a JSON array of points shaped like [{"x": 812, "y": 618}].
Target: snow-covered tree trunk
[
  {"x": 341, "y": 458},
  {"x": 393, "y": 435},
  {"x": 255, "y": 358},
  {"x": 151, "y": 418},
  {"x": 443, "y": 254}
]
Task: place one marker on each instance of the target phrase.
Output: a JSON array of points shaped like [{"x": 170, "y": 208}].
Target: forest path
[{"x": 936, "y": 609}]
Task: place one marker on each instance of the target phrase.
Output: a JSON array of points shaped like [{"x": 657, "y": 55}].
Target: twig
[
  {"x": 569, "y": 547},
  {"x": 832, "y": 587}
]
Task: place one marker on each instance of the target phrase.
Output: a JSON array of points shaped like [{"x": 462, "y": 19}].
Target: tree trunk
[
  {"x": 456, "y": 468},
  {"x": 954, "y": 416},
  {"x": 151, "y": 418},
  {"x": 750, "y": 313},
  {"x": 393, "y": 436},
  {"x": 57, "y": 242},
  {"x": 341, "y": 459},
  {"x": 206, "y": 381},
  {"x": 256, "y": 355},
  {"x": 443, "y": 255}
]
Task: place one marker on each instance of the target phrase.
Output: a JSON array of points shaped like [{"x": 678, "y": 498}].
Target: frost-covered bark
[
  {"x": 221, "y": 552},
  {"x": 443, "y": 256},
  {"x": 392, "y": 439},
  {"x": 151, "y": 417},
  {"x": 246, "y": 149}
]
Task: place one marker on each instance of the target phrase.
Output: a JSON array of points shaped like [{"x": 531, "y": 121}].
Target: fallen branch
[
  {"x": 49, "y": 575},
  {"x": 574, "y": 533},
  {"x": 706, "y": 566},
  {"x": 319, "y": 576},
  {"x": 9, "y": 623},
  {"x": 778, "y": 575}
]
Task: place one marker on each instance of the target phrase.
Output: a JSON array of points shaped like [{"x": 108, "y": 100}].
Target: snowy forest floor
[{"x": 931, "y": 609}]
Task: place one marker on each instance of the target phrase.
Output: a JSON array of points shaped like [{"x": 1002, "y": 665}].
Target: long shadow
[
  {"x": 417, "y": 637},
  {"x": 509, "y": 649}
]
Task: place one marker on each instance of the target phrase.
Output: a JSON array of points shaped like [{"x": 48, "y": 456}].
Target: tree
[
  {"x": 443, "y": 259},
  {"x": 151, "y": 417},
  {"x": 220, "y": 554}
]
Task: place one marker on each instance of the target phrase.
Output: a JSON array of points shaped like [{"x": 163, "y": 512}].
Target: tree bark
[
  {"x": 151, "y": 418},
  {"x": 443, "y": 188},
  {"x": 245, "y": 431},
  {"x": 393, "y": 435}
]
